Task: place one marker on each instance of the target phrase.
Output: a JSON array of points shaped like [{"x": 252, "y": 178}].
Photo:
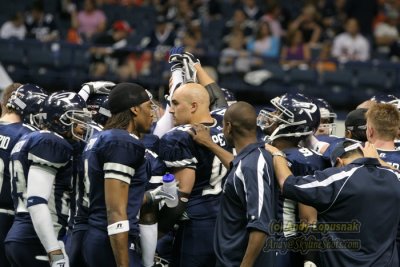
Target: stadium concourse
[{"x": 185, "y": 133}]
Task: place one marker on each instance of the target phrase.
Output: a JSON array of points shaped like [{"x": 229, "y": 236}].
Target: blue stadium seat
[
  {"x": 373, "y": 79},
  {"x": 302, "y": 78},
  {"x": 343, "y": 78},
  {"x": 41, "y": 55}
]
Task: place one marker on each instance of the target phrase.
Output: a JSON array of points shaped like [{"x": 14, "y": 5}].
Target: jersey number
[
  {"x": 19, "y": 189},
  {"x": 218, "y": 172}
]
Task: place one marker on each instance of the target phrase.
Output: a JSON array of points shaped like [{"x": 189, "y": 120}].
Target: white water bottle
[{"x": 169, "y": 186}]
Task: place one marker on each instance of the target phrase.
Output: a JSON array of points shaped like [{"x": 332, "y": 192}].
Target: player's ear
[
  {"x": 135, "y": 110},
  {"x": 194, "y": 106},
  {"x": 347, "y": 134}
]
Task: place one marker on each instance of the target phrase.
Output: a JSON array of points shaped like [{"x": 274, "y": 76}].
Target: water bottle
[{"x": 169, "y": 186}]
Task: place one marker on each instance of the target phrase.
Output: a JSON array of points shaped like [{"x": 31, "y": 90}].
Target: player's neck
[
  {"x": 11, "y": 117},
  {"x": 386, "y": 145},
  {"x": 242, "y": 142},
  {"x": 282, "y": 143},
  {"x": 206, "y": 118}
]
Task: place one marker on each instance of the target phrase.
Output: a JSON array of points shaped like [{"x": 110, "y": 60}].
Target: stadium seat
[{"x": 373, "y": 79}]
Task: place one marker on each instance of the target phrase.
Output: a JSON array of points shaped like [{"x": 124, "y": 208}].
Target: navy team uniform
[
  {"x": 193, "y": 243},
  {"x": 78, "y": 222},
  {"x": 112, "y": 153},
  {"x": 10, "y": 133},
  {"x": 392, "y": 157},
  {"x": 52, "y": 151},
  {"x": 248, "y": 203},
  {"x": 301, "y": 161},
  {"x": 364, "y": 192}
]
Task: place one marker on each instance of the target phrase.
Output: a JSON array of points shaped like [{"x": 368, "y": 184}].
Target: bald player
[{"x": 199, "y": 173}]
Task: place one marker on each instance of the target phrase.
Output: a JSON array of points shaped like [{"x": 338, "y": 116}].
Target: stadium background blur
[{"x": 129, "y": 40}]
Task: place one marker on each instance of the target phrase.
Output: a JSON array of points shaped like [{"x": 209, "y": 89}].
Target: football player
[
  {"x": 41, "y": 171},
  {"x": 295, "y": 118},
  {"x": 115, "y": 178},
  {"x": 199, "y": 173},
  {"x": 19, "y": 103}
]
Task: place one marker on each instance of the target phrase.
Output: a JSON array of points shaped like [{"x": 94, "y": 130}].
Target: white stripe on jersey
[
  {"x": 393, "y": 171},
  {"x": 260, "y": 182},
  {"x": 180, "y": 163},
  {"x": 41, "y": 161},
  {"x": 331, "y": 179},
  {"x": 289, "y": 217},
  {"x": 112, "y": 166},
  {"x": 239, "y": 174},
  {"x": 121, "y": 177}
]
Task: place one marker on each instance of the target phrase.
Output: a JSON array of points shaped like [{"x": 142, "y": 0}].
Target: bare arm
[
  {"x": 201, "y": 135},
  {"x": 282, "y": 171},
  {"x": 116, "y": 198},
  {"x": 254, "y": 246}
]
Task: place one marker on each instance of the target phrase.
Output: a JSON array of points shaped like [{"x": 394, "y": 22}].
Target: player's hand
[
  {"x": 189, "y": 67},
  {"x": 271, "y": 149},
  {"x": 175, "y": 54},
  {"x": 60, "y": 260},
  {"x": 201, "y": 134},
  {"x": 157, "y": 194},
  {"x": 98, "y": 87},
  {"x": 370, "y": 151}
]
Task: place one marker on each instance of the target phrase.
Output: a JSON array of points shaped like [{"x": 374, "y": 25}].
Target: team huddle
[{"x": 82, "y": 178}]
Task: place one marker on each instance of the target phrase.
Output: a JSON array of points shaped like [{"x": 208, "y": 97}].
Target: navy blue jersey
[
  {"x": 247, "y": 203},
  {"x": 49, "y": 150},
  {"x": 218, "y": 115},
  {"x": 360, "y": 195},
  {"x": 392, "y": 157},
  {"x": 79, "y": 204},
  {"x": 10, "y": 133},
  {"x": 301, "y": 161},
  {"x": 117, "y": 154},
  {"x": 151, "y": 142},
  {"x": 328, "y": 138},
  {"x": 178, "y": 150},
  {"x": 331, "y": 147}
]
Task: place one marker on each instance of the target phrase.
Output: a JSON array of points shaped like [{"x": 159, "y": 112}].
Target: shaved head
[
  {"x": 242, "y": 116},
  {"x": 194, "y": 92},
  {"x": 190, "y": 104}
]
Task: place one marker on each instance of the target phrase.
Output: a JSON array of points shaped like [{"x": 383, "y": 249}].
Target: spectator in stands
[
  {"x": 234, "y": 58},
  {"x": 13, "y": 28},
  {"x": 39, "y": 25},
  {"x": 364, "y": 12},
  {"x": 272, "y": 17},
  {"x": 386, "y": 34},
  {"x": 295, "y": 53},
  {"x": 238, "y": 22},
  {"x": 110, "y": 49},
  {"x": 89, "y": 21},
  {"x": 333, "y": 17},
  {"x": 264, "y": 44},
  {"x": 308, "y": 24},
  {"x": 163, "y": 37},
  {"x": 251, "y": 10},
  {"x": 351, "y": 45}
]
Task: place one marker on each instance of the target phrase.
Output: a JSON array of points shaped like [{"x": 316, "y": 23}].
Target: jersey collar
[{"x": 247, "y": 150}]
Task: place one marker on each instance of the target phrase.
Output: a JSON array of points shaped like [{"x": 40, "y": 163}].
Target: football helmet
[
  {"x": 229, "y": 96},
  {"x": 65, "y": 112},
  {"x": 97, "y": 104},
  {"x": 26, "y": 101},
  {"x": 389, "y": 99},
  {"x": 295, "y": 115},
  {"x": 328, "y": 117}
]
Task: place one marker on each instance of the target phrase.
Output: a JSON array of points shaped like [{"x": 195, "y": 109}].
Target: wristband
[{"x": 118, "y": 227}]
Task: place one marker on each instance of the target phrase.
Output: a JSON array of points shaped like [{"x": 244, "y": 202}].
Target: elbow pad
[
  {"x": 169, "y": 216},
  {"x": 217, "y": 97}
]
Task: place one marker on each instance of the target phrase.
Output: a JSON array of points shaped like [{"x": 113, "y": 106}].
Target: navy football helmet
[
  {"x": 65, "y": 112},
  {"x": 328, "y": 117},
  {"x": 295, "y": 115},
  {"x": 229, "y": 96},
  {"x": 26, "y": 101},
  {"x": 389, "y": 99},
  {"x": 97, "y": 104}
]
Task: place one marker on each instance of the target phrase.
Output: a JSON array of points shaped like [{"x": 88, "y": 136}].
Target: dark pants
[
  {"x": 74, "y": 248},
  {"x": 26, "y": 254},
  {"x": 193, "y": 244},
  {"x": 97, "y": 251},
  {"x": 6, "y": 222}
]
